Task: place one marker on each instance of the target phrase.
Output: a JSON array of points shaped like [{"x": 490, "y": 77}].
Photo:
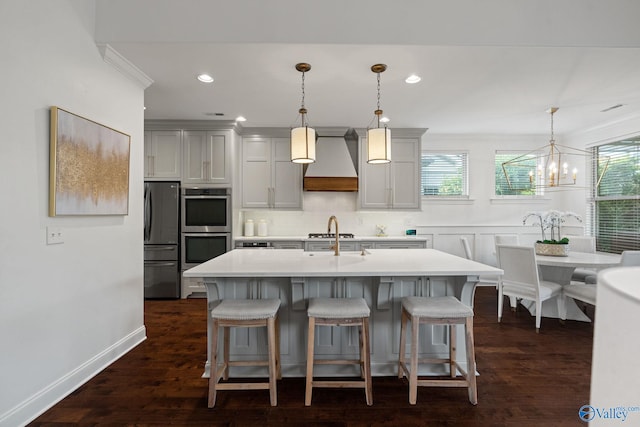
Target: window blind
[
  {"x": 444, "y": 174},
  {"x": 518, "y": 175},
  {"x": 616, "y": 201}
]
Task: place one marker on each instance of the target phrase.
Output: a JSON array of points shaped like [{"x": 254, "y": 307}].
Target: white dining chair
[
  {"x": 484, "y": 280},
  {"x": 627, "y": 259},
  {"x": 521, "y": 281},
  {"x": 507, "y": 239},
  {"x": 582, "y": 244},
  {"x": 578, "y": 291}
]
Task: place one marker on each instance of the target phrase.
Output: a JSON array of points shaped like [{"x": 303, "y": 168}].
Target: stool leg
[
  {"x": 271, "y": 333},
  {"x": 452, "y": 351},
  {"x": 213, "y": 363},
  {"x": 279, "y": 366},
  {"x": 227, "y": 343},
  {"x": 403, "y": 342},
  {"x": 310, "y": 350},
  {"x": 471, "y": 361},
  {"x": 366, "y": 355},
  {"x": 413, "y": 375}
]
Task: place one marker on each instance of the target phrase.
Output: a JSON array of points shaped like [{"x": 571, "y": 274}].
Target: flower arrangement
[{"x": 551, "y": 220}]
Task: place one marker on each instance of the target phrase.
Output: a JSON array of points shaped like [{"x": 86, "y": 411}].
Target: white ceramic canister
[
  {"x": 262, "y": 228},
  {"x": 248, "y": 228}
]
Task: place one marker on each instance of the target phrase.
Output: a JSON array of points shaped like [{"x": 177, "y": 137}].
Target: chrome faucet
[{"x": 336, "y": 246}]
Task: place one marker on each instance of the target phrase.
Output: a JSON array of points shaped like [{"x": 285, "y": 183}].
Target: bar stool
[
  {"x": 437, "y": 311},
  {"x": 339, "y": 312},
  {"x": 245, "y": 313}
]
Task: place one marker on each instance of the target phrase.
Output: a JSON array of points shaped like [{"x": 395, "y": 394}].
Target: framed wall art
[{"x": 88, "y": 167}]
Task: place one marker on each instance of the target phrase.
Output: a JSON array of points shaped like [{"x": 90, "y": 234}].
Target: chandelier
[
  {"x": 303, "y": 138},
  {"x": 378, "y": 139},
  {"x": 553, "y": 166}
]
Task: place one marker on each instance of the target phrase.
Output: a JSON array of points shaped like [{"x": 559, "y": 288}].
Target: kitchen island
[{"x": 380, "y": 276}]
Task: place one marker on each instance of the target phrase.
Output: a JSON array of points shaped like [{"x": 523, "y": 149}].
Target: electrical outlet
[{"x": 54, "y": 236}]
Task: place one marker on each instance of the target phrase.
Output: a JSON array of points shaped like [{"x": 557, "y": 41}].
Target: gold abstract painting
[{"x": 89, "y": 167}]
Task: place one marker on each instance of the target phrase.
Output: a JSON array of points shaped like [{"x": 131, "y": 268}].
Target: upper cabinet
[
  {"x": 269, "y": 178},
  {"x": 394, "y": 185},
  {"x": 206, "y": 157},
  {"x": 162, "y": 154}
]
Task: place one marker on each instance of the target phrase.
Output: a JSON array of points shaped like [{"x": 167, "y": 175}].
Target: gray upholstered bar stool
[
  {"x": 339, "y": 312},
  {"x": 245, "y": 313},
  {"x": 437, "y": 311}
]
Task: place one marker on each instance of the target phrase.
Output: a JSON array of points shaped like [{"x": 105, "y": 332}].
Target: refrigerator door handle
[
  {"x": 147, "y": 212},
  {"x": 160, "y": 248},
  {"x": 161, "y": 263}
]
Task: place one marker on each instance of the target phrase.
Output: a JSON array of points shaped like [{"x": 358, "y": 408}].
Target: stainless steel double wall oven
[{"x": 206, "y": 224}]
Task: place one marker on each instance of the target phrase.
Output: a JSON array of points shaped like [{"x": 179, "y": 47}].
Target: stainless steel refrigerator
[{"x": 161, "y": 240}]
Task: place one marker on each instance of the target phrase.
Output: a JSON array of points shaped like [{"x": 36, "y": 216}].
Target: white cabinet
[
  {"x": 207, "y": 157},
  {"x": 394, "y": 185},
  {"x": 326, "y": 245},
  {"x": 269, "y": 179},
  {"x": 162, "y": 154}
]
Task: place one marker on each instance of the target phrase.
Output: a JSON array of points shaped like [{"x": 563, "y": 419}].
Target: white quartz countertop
[
  {"x": 313, "y": 239},
  {"x": 376, "y": 262}
]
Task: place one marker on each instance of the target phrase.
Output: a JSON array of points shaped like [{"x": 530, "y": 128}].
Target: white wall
[{"x": 66, "y": 311}]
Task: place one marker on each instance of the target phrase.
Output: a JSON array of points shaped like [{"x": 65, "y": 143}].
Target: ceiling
[{"x": 485, "y": 70}]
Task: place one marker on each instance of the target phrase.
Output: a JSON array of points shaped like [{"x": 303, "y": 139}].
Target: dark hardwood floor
[{"x": 526, "y": 379}]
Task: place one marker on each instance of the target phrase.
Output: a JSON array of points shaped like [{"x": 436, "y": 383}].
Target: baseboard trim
[{"x": 44, "y": 399}]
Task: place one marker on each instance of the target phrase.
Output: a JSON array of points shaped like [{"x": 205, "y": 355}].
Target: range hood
[{"x": 335, "y": 168}]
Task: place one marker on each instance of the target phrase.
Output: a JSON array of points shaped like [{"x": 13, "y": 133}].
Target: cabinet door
[
  {"x": 217, "y": 163},
  {"x": 256, "y": 173},
  {"x": 375, "y": 186},
  {"x": 405, "y": 173},
  {"x": 195, "y": 152},
  {"x": 162, "y": 154},
  {"x": 286, "y": 180}
]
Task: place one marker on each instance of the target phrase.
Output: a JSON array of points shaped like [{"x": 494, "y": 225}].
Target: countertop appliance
[{"x": 161, "y": 239}]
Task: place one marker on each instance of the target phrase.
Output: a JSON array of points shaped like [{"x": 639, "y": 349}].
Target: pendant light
[
  {"x": 556, "y": 166},
  {"x": 378, "y": 139},
  {"x": 303, "y": 138}
]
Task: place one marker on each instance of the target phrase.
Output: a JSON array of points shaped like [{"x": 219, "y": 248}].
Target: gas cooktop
[{"x": 330, "y": 235}]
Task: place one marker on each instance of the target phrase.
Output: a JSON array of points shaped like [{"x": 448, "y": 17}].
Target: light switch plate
[{"x": 54, "y": 236}]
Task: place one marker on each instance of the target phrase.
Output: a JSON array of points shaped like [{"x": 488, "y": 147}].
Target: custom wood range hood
[{"x": 336, "y": 165}]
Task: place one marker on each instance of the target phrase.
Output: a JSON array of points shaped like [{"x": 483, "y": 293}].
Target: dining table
[{"x": 559, "y": 269}]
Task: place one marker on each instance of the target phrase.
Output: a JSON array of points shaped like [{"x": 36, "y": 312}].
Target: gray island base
[{"x": 381, "y": 276}]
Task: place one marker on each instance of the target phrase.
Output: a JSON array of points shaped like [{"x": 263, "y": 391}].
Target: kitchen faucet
[{"x": 336, "y": 246}]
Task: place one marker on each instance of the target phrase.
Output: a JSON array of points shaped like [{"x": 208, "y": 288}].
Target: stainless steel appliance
[
  {"x": 206, "y": 210},
  {"x": 161, "y": 240},
  {"x": 206, "y": 224}
]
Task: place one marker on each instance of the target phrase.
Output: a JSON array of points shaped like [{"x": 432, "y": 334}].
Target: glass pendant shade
[
  {"x": 303, "y": 145},
  {"x": 379, "y": 145}
]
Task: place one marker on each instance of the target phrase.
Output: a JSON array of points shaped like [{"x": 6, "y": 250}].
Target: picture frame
[{"x": 88, "y": 167}]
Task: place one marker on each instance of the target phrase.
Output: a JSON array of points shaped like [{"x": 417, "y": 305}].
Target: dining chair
[
  {"x": 521, "y": 281},
  {"x": 507, "y": 239},
  {"x": 627, "y": 259},
  {"x": 582, "y": 244},
  {"x": 484, "y": 280},
  {"x": 581, "y": 292}
]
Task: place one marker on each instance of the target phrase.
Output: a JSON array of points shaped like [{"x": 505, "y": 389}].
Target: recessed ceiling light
[
  {"x": 241, "y": 119},
  {"x": 413, "y": 79},
  {"x": 205, "y": 78},
  {"x": 385, "y": 120}
]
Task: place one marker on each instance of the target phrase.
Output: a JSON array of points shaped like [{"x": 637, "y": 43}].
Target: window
[
  {"x": 519, "y": 181},
  {"x": 444, "y": 174},
  {"x": 615, "y": 207}
]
